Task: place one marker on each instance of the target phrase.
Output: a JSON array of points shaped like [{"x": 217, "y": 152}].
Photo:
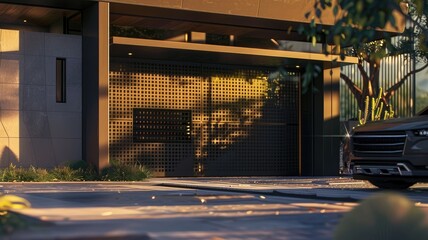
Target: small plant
[
  {"x": 374, "y": 110},
  {"x": 77, "y": 171},
  {"x": 19, "y": 174},
  {"x": 121, "y": 172},
  {"x": 66, "y": 174},
  {"x": 86, "y": 171},
  {"x": 383, "y": 216}
]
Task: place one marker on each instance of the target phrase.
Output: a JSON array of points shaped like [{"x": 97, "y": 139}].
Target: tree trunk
[{"x": 374, "y": 77}]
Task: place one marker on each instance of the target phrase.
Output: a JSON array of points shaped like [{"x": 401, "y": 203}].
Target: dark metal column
[
  {"x": 95, "y": 30},
  {"x": 320, "y": 132}
]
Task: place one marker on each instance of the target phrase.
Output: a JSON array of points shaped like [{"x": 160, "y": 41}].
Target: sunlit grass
[{"x": 78, "y": 171}]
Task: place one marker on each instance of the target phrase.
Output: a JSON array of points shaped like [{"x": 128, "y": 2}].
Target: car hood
[{"x": 396, "y": 124}]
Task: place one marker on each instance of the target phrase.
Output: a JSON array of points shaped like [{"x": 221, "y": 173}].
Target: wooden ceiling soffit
[{"x": 244, "y": 51}]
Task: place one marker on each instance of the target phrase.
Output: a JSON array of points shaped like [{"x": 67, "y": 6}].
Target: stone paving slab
[{"x": 323, "y": 188}]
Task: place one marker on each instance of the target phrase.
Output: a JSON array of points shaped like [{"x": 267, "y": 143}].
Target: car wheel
[{"x": 392, "y": 184}]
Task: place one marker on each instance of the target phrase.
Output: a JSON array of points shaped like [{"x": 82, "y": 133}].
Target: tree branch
[
  {"x": 355, "y": 90},
  {"x": 395, "y": 5},
  {"x": 374, "y": 77},
  {"x": 397, "y": 85},
  {"x": 366, "y": 80},
  {"x": 363, "y": 71}
]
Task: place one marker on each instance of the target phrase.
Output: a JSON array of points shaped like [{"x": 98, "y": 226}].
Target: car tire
[{"x": 392, "y": 184}]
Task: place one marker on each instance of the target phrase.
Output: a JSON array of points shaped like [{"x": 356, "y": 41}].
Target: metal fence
[{"x": 392, "y": 69}]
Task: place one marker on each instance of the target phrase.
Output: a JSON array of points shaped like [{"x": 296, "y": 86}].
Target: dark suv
[{"x": 391, "y": 153}]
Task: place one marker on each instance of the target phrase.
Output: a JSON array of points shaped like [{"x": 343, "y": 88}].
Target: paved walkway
[
  {"x": 192, "y": 208},
  {"x": 322, "y": 188}
]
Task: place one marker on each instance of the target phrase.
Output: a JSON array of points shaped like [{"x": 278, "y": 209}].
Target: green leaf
[
  {"x": 360, "y": 6},
  {"x": 313, "y": 24},
  {"x": 318, "y": 12},
  {"x": 335, "y": 10},
  {"x": 336, "y": 40},
  {"x": 419, "y": 6}
]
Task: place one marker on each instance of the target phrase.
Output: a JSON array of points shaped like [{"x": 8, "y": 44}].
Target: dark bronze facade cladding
[
  {"x": 244, "y": 120},
  {"x": 161, "y": 125}
]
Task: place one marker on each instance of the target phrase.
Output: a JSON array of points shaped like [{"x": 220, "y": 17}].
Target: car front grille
[{"x": 378, "y": 143}]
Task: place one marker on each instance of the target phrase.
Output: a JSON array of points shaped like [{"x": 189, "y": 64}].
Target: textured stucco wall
[{"x": 34, "y": 129}]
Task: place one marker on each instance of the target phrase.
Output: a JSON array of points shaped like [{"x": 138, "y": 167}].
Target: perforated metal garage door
[{"x": 204, "y": 120}]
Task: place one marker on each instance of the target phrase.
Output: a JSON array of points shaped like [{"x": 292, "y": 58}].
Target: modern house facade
[{"x": 184, "y": 87}]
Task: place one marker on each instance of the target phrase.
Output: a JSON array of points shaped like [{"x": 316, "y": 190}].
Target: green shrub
[
  {"x": 10, "y": 221},
  {"x": 86, "y": 170},
  {"x": 77, "y": 171},
  {"x": 42, "y": 175},
  {"x": 383, "y": 216},
  {"x": 19, "y": 174},
  {"x": 66, "y": 174},
  {"x": 121, "y": 172}
]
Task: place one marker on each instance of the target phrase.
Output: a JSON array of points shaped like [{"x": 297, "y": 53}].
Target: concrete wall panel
[
  {"x": 33, "y": 97},
  {"x": 74, "y": 72},
  {"x": 73, "y": 100},
  {"x": 37, "y": 124},
  {"x": 33, "y": 43},
  {"x": 9, "y": 97},
  {"x": 66, "y": 46},
  {"x": 9, "y": 121},
  {"x": 9, "y": 151},
  {"x": 33, "y": 70},
  {"x": 57, "y": 121},
  {"x": 67, "y": 150},
  {"x": 30, "y": 119},
  {"x": 50, "y": 68},
  {"x": 43, "y": 153},
  {"x": 10, "y": 68}
]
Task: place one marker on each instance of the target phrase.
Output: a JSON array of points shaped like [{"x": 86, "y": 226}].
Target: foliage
[
  {"x": 422, "y": 99},
  {"x": 383, "y": 216},
  {"x": 121, "y": 172},
  {"x": 358, "y": 21},
  {"x": 137, "y": 32},
  {"x": 66, "y": 174},
  {"x": 374, "y": 110},
  {"x": 78, "y": 171},
  {"x": 20, "y": 174},
  {"x": 357, "y": 27}
]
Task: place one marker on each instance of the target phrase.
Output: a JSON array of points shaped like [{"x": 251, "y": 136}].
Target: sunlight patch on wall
[
  {"x": 9, "y": 40},
  {"x": 9, "y": 97}
]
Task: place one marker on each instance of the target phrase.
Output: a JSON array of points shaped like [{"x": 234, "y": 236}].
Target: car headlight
[{"x": 421, "y": 132}]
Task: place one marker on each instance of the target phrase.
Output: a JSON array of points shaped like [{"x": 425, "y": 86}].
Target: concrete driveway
[{"x": 193, "y": 208}]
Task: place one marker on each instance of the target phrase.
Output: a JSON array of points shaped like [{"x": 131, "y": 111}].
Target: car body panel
[{"x": 391, "y": 149}]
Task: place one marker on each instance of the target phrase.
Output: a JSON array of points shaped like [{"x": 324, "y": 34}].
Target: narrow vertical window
[{"x": 60, "y": 80}]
